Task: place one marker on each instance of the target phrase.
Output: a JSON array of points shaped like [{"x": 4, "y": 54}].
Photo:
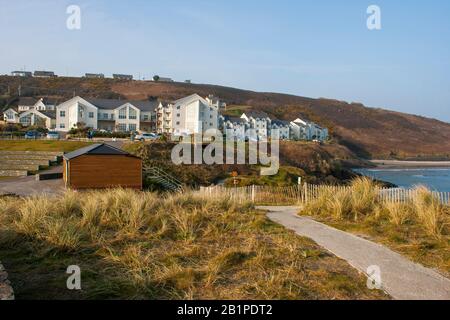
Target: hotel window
[
  {"x": 122, "y": 127},
  {"x": 123, "y": 113},
  {"x": 132, "y": 127},
  {"x": 62, "y": 114},
  {"x": 145, "y": 117},
  {"x": 178, "y": 115},
  {"x": 132, "y": 114},
  {"x": 91, "y": 115},
  {"x": 178, "y": 123},
  {"x": 62, "y": 125},
  {"x": 105, "y": 116}
]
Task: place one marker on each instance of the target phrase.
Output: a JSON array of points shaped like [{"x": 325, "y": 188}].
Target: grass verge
[
  {"x": 41, "y": 145},
  {"x": 133, "y": 245}
]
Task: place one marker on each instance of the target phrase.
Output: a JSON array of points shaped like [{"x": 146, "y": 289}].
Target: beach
[{"x": 398, "y": 164}]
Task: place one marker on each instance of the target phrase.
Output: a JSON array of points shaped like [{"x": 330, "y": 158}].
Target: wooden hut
[{"x": 100, "y": 166}]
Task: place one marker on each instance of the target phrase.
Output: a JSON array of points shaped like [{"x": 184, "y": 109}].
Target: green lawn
[{"x": 41, "y": 145}]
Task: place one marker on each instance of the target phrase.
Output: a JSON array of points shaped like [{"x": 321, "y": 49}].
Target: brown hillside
[{"x": 366, "y": 131}]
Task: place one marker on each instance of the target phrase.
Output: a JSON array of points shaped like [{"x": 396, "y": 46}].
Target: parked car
[
  {"x": 53, "y": 135},
  {"x": 32, "y": 135},
  {"x": 146, "y": 137}
]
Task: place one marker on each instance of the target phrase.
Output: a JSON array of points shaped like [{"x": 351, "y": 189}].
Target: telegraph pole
[{"x": 19, "y": 89}]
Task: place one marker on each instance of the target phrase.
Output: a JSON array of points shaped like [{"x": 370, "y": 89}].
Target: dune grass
[
  {"x": 418, "y": 227},
  {"x": 135, "y": 245}
]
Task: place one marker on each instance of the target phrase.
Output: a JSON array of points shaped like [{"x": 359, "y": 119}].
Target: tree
[{"x": 156, "y": 78}]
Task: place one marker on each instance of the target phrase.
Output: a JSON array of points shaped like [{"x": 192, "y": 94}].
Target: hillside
[{"x": 369, "y": 132}]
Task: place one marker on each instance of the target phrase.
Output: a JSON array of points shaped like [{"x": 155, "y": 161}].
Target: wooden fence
[{"x": 301, "y": 194}]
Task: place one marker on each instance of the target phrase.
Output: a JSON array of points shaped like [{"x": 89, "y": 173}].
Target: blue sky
[{"x": 316, "y": 48}]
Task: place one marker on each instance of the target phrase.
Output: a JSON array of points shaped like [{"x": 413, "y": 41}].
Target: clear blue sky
[{"x": 310, "y": 48}]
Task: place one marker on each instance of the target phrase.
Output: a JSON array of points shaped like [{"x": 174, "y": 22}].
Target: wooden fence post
[
  {"x": 306, "y": 192},
  {"x": 253, "y": 193}
]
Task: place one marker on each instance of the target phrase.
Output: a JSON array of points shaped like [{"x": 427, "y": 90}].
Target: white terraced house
[
  {"x": 192, "y": 114},
  {"x": 33, "y": 117},
  {"x": 283, "y": 128},
  {"x": 42, "y": 104},
  {"x": 189, "y": 115},
  {"x": 106, "y": 114},
  {"x": 259, "y": 121},
  {"x": 11, "y": 115},
  {"x": 305, "y": 130},
  {"x": 32, "y": 112},
  {"x": 234, "y": 128},
  {"x": 263, "y": 126}
]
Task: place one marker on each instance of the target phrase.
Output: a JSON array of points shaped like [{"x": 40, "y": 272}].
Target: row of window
[{"x": 132, "y": 114}]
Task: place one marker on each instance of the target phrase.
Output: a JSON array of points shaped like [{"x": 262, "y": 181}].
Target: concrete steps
[
  {"x": 25, "y": 157},
  {"x": 33, "y": 153},
  {"x": 20, "y": 163},
  {"x": 13, "y": 162},
  {"x": 13, "y": 173},
  {"x": 20, "y": 166}
]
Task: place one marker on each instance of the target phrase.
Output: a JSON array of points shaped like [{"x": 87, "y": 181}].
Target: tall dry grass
[
  {"x": 143, "y": 245},
  {"x": 361, "y": 201},
  {"x": 345, "y": 203}
]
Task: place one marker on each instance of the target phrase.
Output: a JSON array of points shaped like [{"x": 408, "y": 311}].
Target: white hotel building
[
  {"x": 189, "y": 115},
  {"x": 192, "y": 114}
]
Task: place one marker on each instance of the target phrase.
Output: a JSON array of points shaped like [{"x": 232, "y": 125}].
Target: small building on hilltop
[{"x": 101, "y": 166}]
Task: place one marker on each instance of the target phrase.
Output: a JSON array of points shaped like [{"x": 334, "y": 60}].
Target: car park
[
  {"x": 53, "y": 135},
  {"x": 32, "y": 135}
]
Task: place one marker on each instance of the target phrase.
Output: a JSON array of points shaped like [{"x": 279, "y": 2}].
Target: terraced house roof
[
  {"x": 111, "y": 104},
  {"x": 256, "y": 114}
]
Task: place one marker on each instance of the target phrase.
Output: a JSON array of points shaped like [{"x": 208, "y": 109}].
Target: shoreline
[{"x": 398, "y": 164}]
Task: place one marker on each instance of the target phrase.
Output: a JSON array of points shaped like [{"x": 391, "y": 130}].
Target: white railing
[{"x": 307, "y": 192}]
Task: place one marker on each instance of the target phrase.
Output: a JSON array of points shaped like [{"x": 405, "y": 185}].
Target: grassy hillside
[
  {"x": 314, "y": 163},
  {"x": 366, "y": 131}
]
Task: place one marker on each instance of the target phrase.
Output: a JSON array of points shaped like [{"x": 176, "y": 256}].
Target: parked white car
[
  {"x": 146, "y": 137},
  {"x": 53, "y": 135}
]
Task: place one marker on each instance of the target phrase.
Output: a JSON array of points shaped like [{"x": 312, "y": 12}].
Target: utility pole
[{"x": 19, "y": 89}]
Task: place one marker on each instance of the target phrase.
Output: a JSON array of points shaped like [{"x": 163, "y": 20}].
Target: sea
[{"x": 435, "y": 179}]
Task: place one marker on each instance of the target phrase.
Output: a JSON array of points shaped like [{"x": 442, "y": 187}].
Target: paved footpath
[{"x": 401, "y": 278}]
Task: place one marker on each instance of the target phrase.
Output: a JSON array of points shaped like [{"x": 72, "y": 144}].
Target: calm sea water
[{"x": 436, "y": 179}]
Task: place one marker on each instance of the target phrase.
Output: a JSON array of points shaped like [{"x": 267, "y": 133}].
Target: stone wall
[{"x": 6, "y": 291}]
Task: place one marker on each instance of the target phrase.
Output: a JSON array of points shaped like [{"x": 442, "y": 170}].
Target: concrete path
[
  {"x": 401, "y": 278},
  {"x": 28, "y": 186}
]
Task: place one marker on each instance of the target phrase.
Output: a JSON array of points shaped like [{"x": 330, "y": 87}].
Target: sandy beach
[{"x": 397, "y": 164}]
